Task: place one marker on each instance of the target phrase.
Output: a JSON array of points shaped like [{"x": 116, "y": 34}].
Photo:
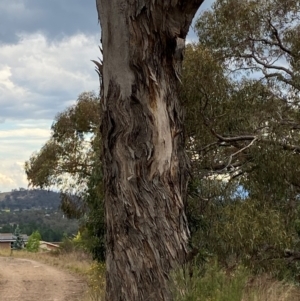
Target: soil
[{"x": 28, "y": 280}]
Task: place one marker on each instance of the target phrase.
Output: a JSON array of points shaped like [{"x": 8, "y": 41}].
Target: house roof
[
  {"x": 6, "y": 237},
  {"x": 9, "y": 237},
  {"x": 48, "y": 244}
]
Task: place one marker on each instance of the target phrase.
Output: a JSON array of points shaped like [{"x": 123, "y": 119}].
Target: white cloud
[
  {"x": 18, "y": 141},
  {"x": 39, "y": 78},
  {"x": 61, "y": 65},
  {"x": 12, "y": 176},
  {"x": 8, "y": 88},
  {"x": 5, "y": 82},
  {"x": 25, "y": 132}
]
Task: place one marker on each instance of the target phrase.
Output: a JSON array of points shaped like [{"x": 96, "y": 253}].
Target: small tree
[
  {"x": 19, "y": 242},
  {"x": 33, "y": 243}
]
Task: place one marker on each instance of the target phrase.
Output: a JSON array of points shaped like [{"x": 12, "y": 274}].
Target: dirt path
[{"x": 27, "y": 280}]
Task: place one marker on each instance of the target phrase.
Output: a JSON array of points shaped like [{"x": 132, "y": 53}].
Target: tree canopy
[
  {"x": 70, "y": 161},
  {"x": 241, "y": 92},
  {"x": 246, "y": 94},
  {"x": 67, "y": 160}
]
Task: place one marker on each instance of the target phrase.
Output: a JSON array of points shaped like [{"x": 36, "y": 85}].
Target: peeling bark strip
[{"x": 145, "y": 167}]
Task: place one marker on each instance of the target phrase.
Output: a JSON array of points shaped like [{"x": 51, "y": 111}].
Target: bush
[
  {"x": 33, "y": 243},
  {"x": 246, "y": 232},
  {"x": 192, "y": 284}
]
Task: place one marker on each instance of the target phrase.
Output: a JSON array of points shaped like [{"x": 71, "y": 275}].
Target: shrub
[
  {"x": 33, "y": 243},
  {"x": 192, "y": 284}
]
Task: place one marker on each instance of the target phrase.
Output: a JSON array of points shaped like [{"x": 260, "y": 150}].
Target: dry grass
[
  {"x": 75, "y": 262},
  {"x": 263, "y": 288},
  {"x": 217, "y": 285}
]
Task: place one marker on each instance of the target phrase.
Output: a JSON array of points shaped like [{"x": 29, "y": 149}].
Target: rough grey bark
[{"x": 145, "y": 167}]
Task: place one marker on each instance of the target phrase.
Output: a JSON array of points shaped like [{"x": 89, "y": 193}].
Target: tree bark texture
[{"x": 145, "y": 166}]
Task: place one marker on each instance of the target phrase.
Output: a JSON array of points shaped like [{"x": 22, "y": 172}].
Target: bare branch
[
  {"x": 271, "y": 43},
  {"x": 239, "y": 151},
  {"x": 222, "y": 166},
  {"x": 281, "y": 78},
  {"x": 265, "y": 65},
  {"x": 276, "y": 35},
  {"x": 233, "y": 139},
  {"x": 190, "y": 6}
]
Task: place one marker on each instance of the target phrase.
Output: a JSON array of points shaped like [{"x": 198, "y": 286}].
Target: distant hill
[
  {"x": 29, "y": 199},
  {"x": 35, "y": 210}
]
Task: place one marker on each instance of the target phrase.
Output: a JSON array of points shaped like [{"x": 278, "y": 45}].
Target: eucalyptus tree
[
  {"x": 70, "y": 161},
  {"x": 145, "y": 166},
  {"x": 241, "y": 91},
  {"x": 69, "y": 158},
  {"x": 252, "y": 116}
]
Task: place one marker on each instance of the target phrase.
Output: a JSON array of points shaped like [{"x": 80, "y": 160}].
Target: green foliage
[
  {"x": 240, "y": 88},
  {"x": 94, "y": 226},
  {"x": 212, "y": 283},
  {"x": 19, "y": 242},
  {"x": 243, "y": 133},
  {"x": 52, "y": 230},
  {"x": 71, "y": 160},
  {"x": 33, "y": 243},
  {"x": 96, "y": 282},
  {"x": 253, "y": 233},
  {"x": 67, "y": 158},
  {"x": 68, "y": 245}
]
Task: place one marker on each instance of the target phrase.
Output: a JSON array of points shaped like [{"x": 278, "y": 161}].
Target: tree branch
[
  {"x": 185, "y": 11},
  {"x": 280, "y": 77},
  {"x": 265, "y": 65},
  {"x": 271, "y": 43},
  {"x": 190, "y": 6},
  {"x": 276, "y": 35},
  {"x": 239, "y": 151},
  {"x": 233, "y": 139}
]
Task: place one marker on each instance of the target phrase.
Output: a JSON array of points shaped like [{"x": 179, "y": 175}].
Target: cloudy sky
[{"x": 45, "y": 52}]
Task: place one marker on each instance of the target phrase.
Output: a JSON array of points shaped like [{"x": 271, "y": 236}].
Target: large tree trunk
[{"x": 145, "y": 167}]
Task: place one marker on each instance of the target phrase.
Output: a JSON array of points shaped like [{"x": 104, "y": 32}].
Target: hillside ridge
[
  {"x": 26, "y": 199},
  {"x": 33, "y": 210}
]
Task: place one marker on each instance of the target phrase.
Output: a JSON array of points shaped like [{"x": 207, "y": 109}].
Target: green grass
[
  {"x": 191, "y": 284},
  {"x": 215, "y": 284}
]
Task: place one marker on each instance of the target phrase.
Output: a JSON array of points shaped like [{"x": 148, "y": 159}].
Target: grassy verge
[
  {"x": 216, "y": 284},
  {"x": 187, "y": 284},
  {"x": 263, "y": 288},
  {"x": 75, "y": 262}
]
